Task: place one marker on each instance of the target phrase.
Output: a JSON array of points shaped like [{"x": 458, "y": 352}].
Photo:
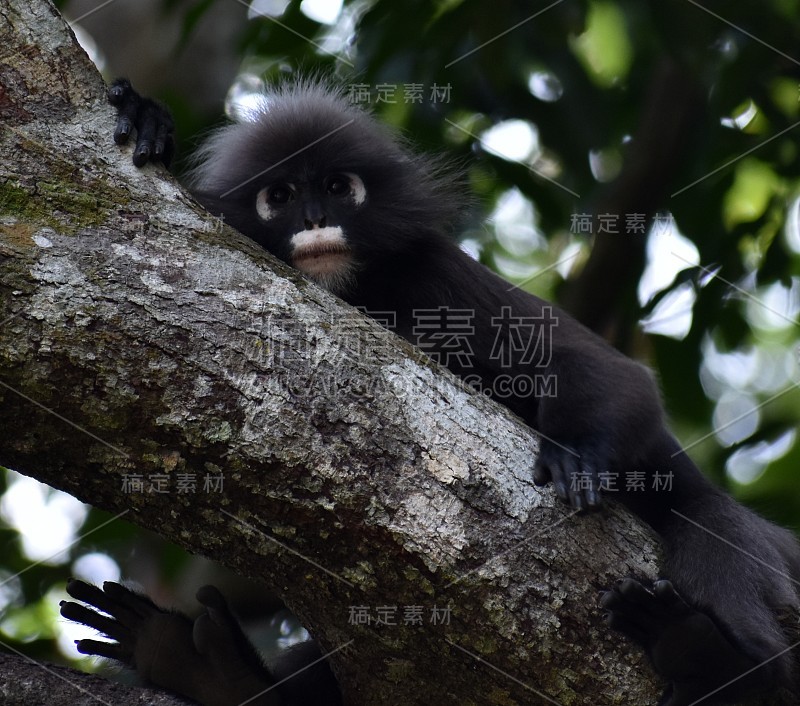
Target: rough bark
[
  {"x": 140, "y": 341},
  {"x": 25, "y": 682}
]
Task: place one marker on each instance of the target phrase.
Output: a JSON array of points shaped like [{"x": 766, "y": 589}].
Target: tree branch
[
  {"x": 24, "y": 682},
  {"x": 273, "y": 428}
]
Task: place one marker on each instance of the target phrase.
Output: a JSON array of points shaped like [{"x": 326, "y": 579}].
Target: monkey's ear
[{"x": 155, "y": 138}]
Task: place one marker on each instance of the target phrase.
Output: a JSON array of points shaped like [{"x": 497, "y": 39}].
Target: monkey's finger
[
  {"x": 633, "y": 619},
  {"x": 211, "y": 597},
  {"x": 574, "y": 481},
  {"x": 110, "y": 650},
  {"x": 127, "y": 111},
  {"x": 591, "y": 482},
  {"x": 160, "y": 145},
  {"x": 559, "y": 478},
  {"x": 146, "y": 130},
  {"x": 219, "y": 612},
  {"x": 634, "y": 591},
  {"x": 615, "y": 600},
  {"x": 82, "y": 591},
  {"x": 611, "y": 599},
  {"x": 141, "y": 155},
  {"x": 92, "y": 619},
  {"x": 154, "y": 126},
  {"x": 169, "y": 151},
  {"x": 541, "y": 473},
  {"x": 549, "y": 467},
  {"x": 128, "y": 605},
  {"x": 624, "y": 624},
  {"x": 218, "y": 635},
  {"x": 87, "y": 593},
  {"x": 641, "y": 600},
  {"x": 123, "y": 130},
  {"x": 547, "y": 456},
  {"x": 670, "y": 598},
  {"x": 120, "y": 91},
  {"x": 116, "y": 600}
]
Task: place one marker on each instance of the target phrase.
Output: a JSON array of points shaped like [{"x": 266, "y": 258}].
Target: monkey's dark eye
[
  {"x": 270, "y": 199},
  {"x": 279, "y": 193},
  {"x": 346, "y": 184},
  {"x": 337, "y": 185}
]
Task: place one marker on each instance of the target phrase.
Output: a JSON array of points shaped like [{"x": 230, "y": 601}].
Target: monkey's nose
[{"x": 312, "y": 223}]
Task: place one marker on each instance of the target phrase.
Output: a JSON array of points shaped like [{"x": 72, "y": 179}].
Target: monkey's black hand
[
  {"x": 155, "y": 140},
  {"x": 574, "y": 473},
  {"x": 686, "y": 646},
  {"x": 208, "y": 660}
]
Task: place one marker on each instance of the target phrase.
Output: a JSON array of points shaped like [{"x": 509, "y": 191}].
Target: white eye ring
[
  {"x": 263, "y": 209},
  {"x": 357, "y": 188}
]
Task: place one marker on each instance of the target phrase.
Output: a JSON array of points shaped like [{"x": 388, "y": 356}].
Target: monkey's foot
[{"x": 686, "y": 646}]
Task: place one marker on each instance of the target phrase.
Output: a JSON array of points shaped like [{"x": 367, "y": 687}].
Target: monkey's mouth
[{"x": 321, "y": 259}]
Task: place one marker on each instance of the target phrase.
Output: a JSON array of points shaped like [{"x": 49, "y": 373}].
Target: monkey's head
[{"x": 322, "y": 185}]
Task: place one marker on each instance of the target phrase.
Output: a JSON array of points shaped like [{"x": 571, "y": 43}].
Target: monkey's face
[
  {"x": 322, "y": 185},
  {"x": 309, "y": 217}
]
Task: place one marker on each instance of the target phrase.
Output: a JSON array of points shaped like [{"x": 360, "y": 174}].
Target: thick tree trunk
[{"x": 168, "y": 370}]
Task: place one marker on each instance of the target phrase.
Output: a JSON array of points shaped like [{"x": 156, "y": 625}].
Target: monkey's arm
[
  {"x": 598, "y": 412},
  {"x": 208, "y": 660},
  {"x": 155, "y": 141},
  {"x": 600, "y": 423}
]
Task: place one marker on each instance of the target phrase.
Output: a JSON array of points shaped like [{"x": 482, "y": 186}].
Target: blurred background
[{"x": 636, "y": 162}]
